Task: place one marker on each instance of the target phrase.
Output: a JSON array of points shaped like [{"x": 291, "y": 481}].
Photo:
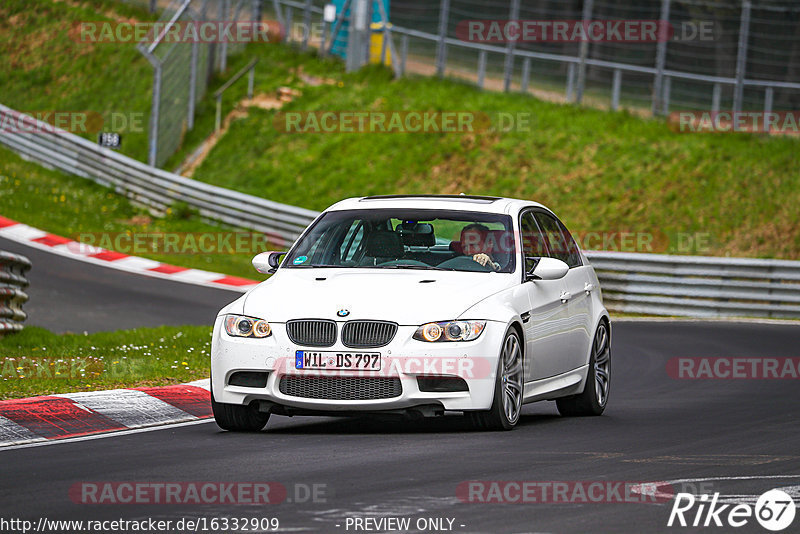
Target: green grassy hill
[
  {"x": 600, "y": 171},
  {"x": 45, "y": 68}
]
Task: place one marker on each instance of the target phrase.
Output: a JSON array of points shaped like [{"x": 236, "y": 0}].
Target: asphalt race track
[{"x": 736, "y": 437}]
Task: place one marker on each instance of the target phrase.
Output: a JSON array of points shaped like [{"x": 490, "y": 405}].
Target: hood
[{"x": 406, "y": 297}]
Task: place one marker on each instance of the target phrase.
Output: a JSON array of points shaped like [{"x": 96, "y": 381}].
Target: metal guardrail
[
  {"x": 698, "y": 286},
  {"x": 152, "y": 187},
  {"x": 692, "y": 286},
  {"x": 12, "y": 296}
]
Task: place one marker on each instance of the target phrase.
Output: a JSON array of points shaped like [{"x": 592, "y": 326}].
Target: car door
[
  {"x": 546, "y": 323},
  {"x": 562, "y": 246}
]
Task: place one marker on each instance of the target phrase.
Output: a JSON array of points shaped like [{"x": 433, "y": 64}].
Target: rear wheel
[
  {"x": 507, "y": 402},
  {"x": 237, "y": 417},
  {"x": 594, "y": 398}
]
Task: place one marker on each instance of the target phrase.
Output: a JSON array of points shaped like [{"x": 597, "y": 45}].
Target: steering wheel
[{"x": 464, "y": 263}]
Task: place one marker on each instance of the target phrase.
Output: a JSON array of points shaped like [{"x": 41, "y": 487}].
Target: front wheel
[
  {"x": 594, "y": 398},
  {"x": 238, "y": 418},
  {"x": 507, "y": 402}
]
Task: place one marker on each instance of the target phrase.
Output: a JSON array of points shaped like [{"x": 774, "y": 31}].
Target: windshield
[{"x": 408, "y": 239}]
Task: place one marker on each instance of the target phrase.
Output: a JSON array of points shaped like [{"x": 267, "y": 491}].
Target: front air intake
[
  {"x": 368, "y": 334},
  {"x": 340, "y": 388},
  {"x": 312, "y": 332}
]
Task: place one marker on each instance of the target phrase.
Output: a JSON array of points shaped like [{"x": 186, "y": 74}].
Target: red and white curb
[
  {"x": 33, "y": 237},
  {"x": 69, "y": 415}
]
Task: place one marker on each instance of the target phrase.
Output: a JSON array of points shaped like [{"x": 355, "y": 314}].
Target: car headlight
[
  {"x": 450, "y": 331},
  {"x": 244, "y": 326}
]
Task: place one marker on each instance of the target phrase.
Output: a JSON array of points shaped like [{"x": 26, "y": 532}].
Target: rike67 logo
[{"x": 774, "y": 510}]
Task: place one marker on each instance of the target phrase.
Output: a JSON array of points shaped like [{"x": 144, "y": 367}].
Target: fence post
[
  {"x": 387, "y": 38},
  {"x": 289, "y": 22},
  {"x": 508, "y": 68},
  {"x": 526, "y": 74},
  {"x": 367, "y": 36},
  {"x": 152, "y": 151},
  {"x": 741, "y": 57},
  {"x": 481, "y": 67},
  {"x": 324, "y": 38},
  {"x": 251, "y": 82},
  {"x": 276, "y": 5},
  {"x": 153, "y": 5},
  {"x": 666, "y": 94},
  {"x": 257, "y": 10},
  {"x": 588, "y": 5},
  {"x": 193, "y": 83},
  {"x": 223, "y": 52},
  {"x": 768, "y": 93},
  {"x": 441, "y": 48},
  {"x": 716, "y": 96},
  {"x": 356, "y": 35},
  {"x": 218, "y": 117},
  {"x": 570, "y": 81},
  {"x": 615, "y": 88},
  {"x": 403, "y": 54},
  {"x": 307, "y": 24},
  {"x": 661, "y": 57}
]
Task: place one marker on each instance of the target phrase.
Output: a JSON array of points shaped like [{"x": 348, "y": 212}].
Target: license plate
[{"x": 337, "y": 361}]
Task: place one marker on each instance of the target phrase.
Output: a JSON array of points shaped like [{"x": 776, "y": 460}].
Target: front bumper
[{"x": 404, "y": 358}]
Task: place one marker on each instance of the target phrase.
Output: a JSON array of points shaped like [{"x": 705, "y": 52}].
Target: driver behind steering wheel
[{"x": 474, "y": 242}]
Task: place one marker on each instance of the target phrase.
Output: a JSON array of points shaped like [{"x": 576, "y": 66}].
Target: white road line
[
  {"x": 103, "y": 436},
  {"x": 705, "y": 320}
]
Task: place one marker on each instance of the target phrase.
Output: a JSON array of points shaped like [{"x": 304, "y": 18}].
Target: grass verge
[{"x": 38, "y": 362}]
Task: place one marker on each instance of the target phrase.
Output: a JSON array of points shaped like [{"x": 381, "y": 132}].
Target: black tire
[
  {"x": 590, "y": 402},
  {"x": 508, "y": 373},
  {"x": 237, "y": 417}
]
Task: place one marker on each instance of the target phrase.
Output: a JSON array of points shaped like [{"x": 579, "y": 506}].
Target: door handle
[
  {"x": 588, "y": 288},
  {"x": 565, "y": 296}
]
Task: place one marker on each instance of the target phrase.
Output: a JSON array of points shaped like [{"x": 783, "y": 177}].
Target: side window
[
  {"x": 532, "y": 240},
  {"x": 560, "y": 244},
  {"x": 574, "y": 254}
]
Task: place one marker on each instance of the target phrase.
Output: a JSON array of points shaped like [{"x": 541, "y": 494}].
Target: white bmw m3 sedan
[{"x": 416, "y": 305}]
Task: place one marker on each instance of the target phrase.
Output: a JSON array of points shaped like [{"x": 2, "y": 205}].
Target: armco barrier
[
  {"x": 698, "y": 286},
  {"x": 690, "y": 286},
  {"x": 155, "y": 188},
  {"x": 12, "y": 296}
]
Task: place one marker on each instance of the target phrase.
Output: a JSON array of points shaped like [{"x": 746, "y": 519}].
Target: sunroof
[{"x": 462, "y": 198}]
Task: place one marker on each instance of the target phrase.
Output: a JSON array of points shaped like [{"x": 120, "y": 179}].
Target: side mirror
[
  {"x": 267, "y": 262},
  {"x": 546, "y": 269}
]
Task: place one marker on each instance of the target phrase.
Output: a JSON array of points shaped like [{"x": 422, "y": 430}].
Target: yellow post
[{"x": 376, "y": 45}]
